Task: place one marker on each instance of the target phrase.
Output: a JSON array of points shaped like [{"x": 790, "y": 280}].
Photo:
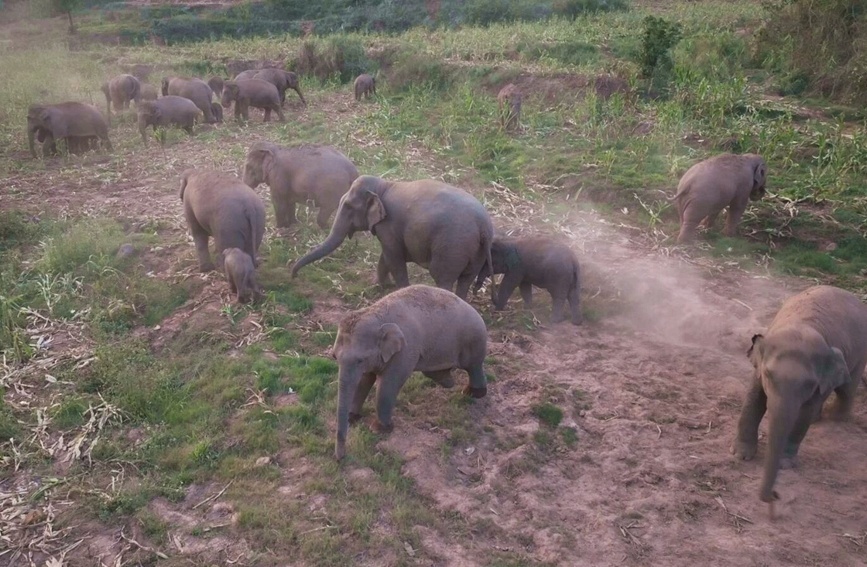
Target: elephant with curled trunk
[
  {"x": 418, "y": 328},
  {"x": 68, "y": 121},
  {"x": 196, "y": 90},
  {"x": 427, "y": 222},
  {"x": 708, "y": 187},
  {"x": 320, "y": 173},
  {"x": 119, "y": 91},
  {"x": 816, "y": 344}
]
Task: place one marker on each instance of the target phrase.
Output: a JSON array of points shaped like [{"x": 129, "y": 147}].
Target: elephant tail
[
  {"x": 184, "y": 179},
  {"x": 487, "y": 268}
]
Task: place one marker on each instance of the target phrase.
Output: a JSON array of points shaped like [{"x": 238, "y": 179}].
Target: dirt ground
[{"x": 651, "y": 392}]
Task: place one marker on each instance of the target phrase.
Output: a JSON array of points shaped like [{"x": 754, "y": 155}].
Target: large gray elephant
[
  {"x": 430, "y": 223},
  {"x": 816, "y": 344},
  {"x": 708, "y": 187},
  {"x": 536, "y": 261},
  {"x": 119, "y": 91},
  {"x": 283, "y": 80},
  {"x": 320, "y": 173},
  {"x": 219, "y": 205},
  {"x": 168, "y": 111},
  {"x": 65, "y": 121},
  {"x": 252, "y": 92},
  {"x": 196, "y": 90},
  {"x": 418, "y": 328}
]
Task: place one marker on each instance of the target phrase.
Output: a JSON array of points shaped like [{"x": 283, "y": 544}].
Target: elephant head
[
  {"x": 363, "y": 346},
  {"x": 760, "y": 174},
  {"x": 165, "y": 88},
  {"x": 798, "y": 370},
  {"x": 260, "y": 160},
  {"x": 216, "y": 84},
  {"x": 360, "y": 209},
  {"x": 230, "y": 93},
  {"x": 38, "y": 122}
]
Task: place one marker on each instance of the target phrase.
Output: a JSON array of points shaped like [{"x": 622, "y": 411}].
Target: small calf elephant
[
  {"x": 196, "y": 90},
  {"x": 509, "y": 101},
  {"x": 365, "y": 86},
  {"x": 539, "y": 261},
  {"x": 297, "y": 174},
  {"x": 168, "y": 111},
  {"x": 241, "y": 275},
  {"x": 119, "y": 91},
  {"x": 220, "y": 206},
  {"x": 417, "y": 328},
  {"x": 66, "y": 121},
  {"x": 708, "y": 187},
  {"x": 814, "y": 346},
  {"x": 252, "y": 92}
]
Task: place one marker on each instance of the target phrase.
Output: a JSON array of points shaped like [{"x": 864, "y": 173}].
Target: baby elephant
[
  {"x": 167, "y": 111},
  {"x": 509, "y": 104},
  {"x": 241, "y": 275},
  {"x": 252, "y": 92},
  {"x": 538, "y": 261},
  {"x": 220, "y": 205},
  {"x": 726, "y": 180},
  {"x": 365, "y": 86},
  {"x": 417, "y": 328}
]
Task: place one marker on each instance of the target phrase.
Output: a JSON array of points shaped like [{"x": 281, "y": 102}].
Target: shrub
[
  {"x": 658, "y": 38},
  {"x": 574, "y": 8},
  {"x": 340, "y": 57},
  {"x": 415, "y": 69}
]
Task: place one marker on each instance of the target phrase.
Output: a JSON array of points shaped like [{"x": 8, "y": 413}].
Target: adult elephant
[
  {"x": 427, "y": 222},
  {"x": 814, "y": 346},
  {"x": 119, "y": 91},
  {"x": 66, "y": 121},
  {"x": 281, "y": 79},
  {"x": 320, "y": 173},
  {"x": 196, "y": 90}
]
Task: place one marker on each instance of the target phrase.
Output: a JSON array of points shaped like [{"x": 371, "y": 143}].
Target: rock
[
  {"x": 263, "y": 461},
  {"x": 126, "y": 251}
]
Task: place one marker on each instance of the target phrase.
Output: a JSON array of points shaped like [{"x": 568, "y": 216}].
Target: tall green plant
[{"x": 657, "y": 39}]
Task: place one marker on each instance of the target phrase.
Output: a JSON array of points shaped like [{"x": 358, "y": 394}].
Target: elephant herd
[{"x": 814, "y": 346}]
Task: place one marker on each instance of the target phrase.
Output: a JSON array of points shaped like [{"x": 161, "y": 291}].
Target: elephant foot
[
  {"x": 354, "y": 418},
  {"x": 380, "y": 427},
  {"x": 577, "y": 320},
  {"x": 743, "y": 450},
  {"x": 475, "y": 392}
]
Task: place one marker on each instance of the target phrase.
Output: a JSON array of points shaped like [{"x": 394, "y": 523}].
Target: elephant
[
  {"x": 365, "y": 86},
  {"x": 196, "y": 90},
  {"x": 168, "y": 111},
  {"x": 216, "y": 84},
  {"x": 428, "y": 222},
  {"x": 509, "y": 101},
  {"x": 538, "y": 261},
  {"x": 297, "y": 174},
  {"x": 220, "y": 206},
  {"x": 64, "y": 121},
  {"x": 252, "y": 92},
  {"x": 726, "y": 180},
  {"x": 417, "y": 328},
  {"x": 149, "y": 92},
  {"x": 119, "y": 91},
  {"x": 241, "y": 275},
  {"x": 217, "y": 112},
  {"x": 283, "y": 80},
  {"x": 814, "y": 346}
]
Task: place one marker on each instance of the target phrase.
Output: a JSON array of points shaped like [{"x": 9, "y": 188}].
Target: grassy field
[{"x": 135, "y": 393}]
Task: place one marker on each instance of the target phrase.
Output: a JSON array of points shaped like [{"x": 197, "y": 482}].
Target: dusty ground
[{"x": 652, "y": 392}]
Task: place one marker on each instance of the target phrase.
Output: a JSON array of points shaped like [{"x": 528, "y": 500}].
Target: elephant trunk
[
  {"x": 348, "y": 381},
  {"x": 338, "y": 234},
  {"x": 301, "y": 96},
  {"x": 782, "y": 419},
  {"x": 31, "y": 132}
]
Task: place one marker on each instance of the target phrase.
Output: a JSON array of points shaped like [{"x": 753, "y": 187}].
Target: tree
[{"x": 66, "y": 7}]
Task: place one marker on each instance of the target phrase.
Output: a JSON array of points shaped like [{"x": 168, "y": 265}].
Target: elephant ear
[
  {"x": 513, "y": 259},
  {"x": 391, "y": 341},
  {"x": 756, "y": 350},
  {"x": 759, "y": 173},
  {"x": 375, "y": 210},
  {"x": 832, "y": 371}
]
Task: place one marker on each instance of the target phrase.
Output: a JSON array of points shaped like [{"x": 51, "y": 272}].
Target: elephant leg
[
  {"x": 710, "y": 220},
  {"x": 527, "y": 294},
  {"x": 558, "y": 301},
  {"x": 267, "y": 115},
  {"x": 842, "y": 407},
  {"x": 280, "y": 115},
  {"x": 478, "y": 386},
  {"x": 322, "y": 217},
  {"x": 732, "y": 220},
  {"x": 445, "y": 273},
  {"x": 284, "y": 210},
  {"x": 232, "y": 287},
  {"x": 755, "y": 405},
  {"x": 361, "y": 392},
  {"x": 390, "y": 383},
  {"x": 575, "y": 305},
  {"x": 688, "y": 226},
  {"x": 441, "y": 377},
  {"x": 200, "y": 237},
  {"x": 383, "y": 274},
  {"x": 510, "y": 281},
  {"x": 396, "y": 266},
  {"x": 464, "y": 283}
]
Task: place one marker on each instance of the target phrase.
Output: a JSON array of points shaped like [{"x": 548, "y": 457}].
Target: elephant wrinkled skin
[
  {"x": 708, "y": 187},
  {"x": 418, "y": 328},
  {"x": 320, "y": 173},
  {"x": 219, "y": 205},
  {"x": 814, "y": 346},
  {"x": 65, "y": 121},
  {"x": 437, "y": 226}
]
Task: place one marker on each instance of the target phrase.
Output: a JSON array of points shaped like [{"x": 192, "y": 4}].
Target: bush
[
  {"x": 574, "y": 8},
  {"x": 415, "y": 69},
  {"x": 658, "y": 38},
  {"x": 340, "y": 57}
]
